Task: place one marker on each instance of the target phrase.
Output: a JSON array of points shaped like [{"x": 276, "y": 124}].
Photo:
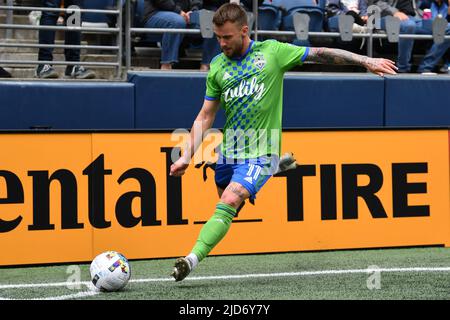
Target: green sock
[{"x": 214, "y": 230}]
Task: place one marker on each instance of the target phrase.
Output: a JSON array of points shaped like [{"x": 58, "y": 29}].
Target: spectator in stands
[
  {"x": 211, "y": 47},
  {"x": 168, "y": 15},
  {"x": 439, "y": 7},
  {"x": 411, "y": 23},
  {"x": 355, "y": 8},
  {"x": 4, "y": 73},
  {"x": 446, "y": 66},
  {"x": 50, "y": 18},
  {"x": 177, "y": 14}
]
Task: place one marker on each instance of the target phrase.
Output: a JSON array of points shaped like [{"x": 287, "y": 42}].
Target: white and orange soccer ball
[{"x": 110, "y": 271}]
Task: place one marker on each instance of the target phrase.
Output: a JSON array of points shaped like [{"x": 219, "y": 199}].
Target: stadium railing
[
  {"x": 117, "y": 31},
  {"x": 124, "y": 32},
  {"x": 301, "y": 31}
]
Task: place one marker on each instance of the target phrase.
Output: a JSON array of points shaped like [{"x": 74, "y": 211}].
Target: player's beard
[{"x": 236, "y": 51}]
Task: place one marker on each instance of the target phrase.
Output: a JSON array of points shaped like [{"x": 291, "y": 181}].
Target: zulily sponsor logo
[{"x": 245, "y": 89}]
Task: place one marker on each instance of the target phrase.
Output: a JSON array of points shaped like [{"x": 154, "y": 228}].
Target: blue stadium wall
[{"x": 156, "y": 100}]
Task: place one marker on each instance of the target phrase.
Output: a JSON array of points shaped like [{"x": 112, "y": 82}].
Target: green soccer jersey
[{"x": 250, "y": 89}]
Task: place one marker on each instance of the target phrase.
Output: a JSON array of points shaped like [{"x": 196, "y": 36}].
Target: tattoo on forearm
[{"x": 336, "y": 56}]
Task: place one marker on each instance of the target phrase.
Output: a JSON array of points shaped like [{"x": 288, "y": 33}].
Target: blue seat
[
  {"x": 315, "y": 23},
  {"x": 322, "y": 4},
  {"x": 315, "y": 12},
  {"x": 270, "y": 16},
  {"x": 291, "y": 5},
  {"x": 98, "y": 4}
]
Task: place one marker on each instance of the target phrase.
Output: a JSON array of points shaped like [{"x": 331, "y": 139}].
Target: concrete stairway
[{"x": 27, "y": 71}]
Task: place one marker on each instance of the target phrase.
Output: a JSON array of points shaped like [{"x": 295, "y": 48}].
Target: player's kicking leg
[
  {"x": 246, "y": 180},
  {"x": 182, "y": 266},
  {"x": 213, "y": 231}
]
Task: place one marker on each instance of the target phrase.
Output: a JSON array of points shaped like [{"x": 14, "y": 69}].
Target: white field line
[
  {"x": 92, "y": 291},
  {"x": 70, "y": 284},
  {"x": 301, "y": 273},
  {"x": 230, "y": 277},
  {"x": 78, "y": 295}
]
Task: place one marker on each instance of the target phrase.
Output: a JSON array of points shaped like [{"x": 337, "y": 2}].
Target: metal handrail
[
  {"x": 127, "y": 35},
  {"x": 56, "y": 46},
  {"x": 9, "y": 18},
  {"x": 69, "y": 63},
  {"x": 355, "y": 35},
  {"x": 256, "y": 15},
  {"x": 290, "y": 33},
  {"x": 117, "y": 31},
  {"x": 20, "y": 8},
  {"x": 120, "y": 42},
  {"x": 370, "y": 34},
  {"x": 160, "y": 30},
  {"x": 58, "y": 28},
  {"x": 123, "y": 47}
]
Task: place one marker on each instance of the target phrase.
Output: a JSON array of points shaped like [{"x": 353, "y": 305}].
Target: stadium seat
[
  {"x": 270, "y": 16},
  {"x": 309, "y": 7},
  {"x": 291, "y": 5},
  {"x": 98, "y": 17},
  {"x": 322, "y": 4}
]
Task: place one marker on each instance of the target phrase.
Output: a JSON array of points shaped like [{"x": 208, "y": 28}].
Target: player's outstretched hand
[
  {"x": 381, "y": 66},
  {"x": 178, "y": 168}
]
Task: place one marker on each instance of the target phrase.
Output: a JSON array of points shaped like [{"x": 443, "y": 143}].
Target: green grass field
[{"x": 287, "y": 276}]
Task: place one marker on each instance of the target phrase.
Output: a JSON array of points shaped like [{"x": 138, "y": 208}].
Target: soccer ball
[{"x": 110, "y": 271}]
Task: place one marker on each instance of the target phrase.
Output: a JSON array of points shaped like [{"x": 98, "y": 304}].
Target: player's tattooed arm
[{"x": 337, "y": 56}]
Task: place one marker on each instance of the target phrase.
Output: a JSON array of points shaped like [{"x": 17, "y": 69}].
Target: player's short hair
[{"x": 230, "y": 12}]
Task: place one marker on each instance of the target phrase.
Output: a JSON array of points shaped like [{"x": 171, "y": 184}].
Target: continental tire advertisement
[{"x": 65, "y": 197}]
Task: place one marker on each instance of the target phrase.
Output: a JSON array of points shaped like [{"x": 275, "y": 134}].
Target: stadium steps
[
  {"x": 21, "y": 71},
  {"x": 56, "y": 56},
  {"x": 33, "y": 50},
  {"x": 28, "y": 70},
  {"x": 150, "y": 57},
  {"x": 21, "y": 34},
  {"x": 142, "y": 57},
  {"x": 27, "y": 73}
]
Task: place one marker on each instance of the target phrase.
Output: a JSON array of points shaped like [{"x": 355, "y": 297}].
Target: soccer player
[{"x": 247, "y": 80}]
